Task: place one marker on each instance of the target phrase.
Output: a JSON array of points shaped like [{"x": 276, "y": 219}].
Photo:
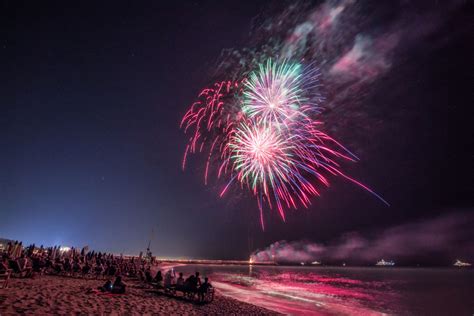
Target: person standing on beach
[{"x": 203, "y": 289}]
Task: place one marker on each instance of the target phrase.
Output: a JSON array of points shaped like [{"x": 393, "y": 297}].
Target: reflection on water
[{"x": 354, "y": 291}]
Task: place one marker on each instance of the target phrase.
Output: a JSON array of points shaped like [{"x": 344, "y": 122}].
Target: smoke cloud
[{"x": 439, "y": 240}]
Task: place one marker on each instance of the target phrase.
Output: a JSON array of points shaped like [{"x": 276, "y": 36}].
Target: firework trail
[
  {"x": 212, "y": 119},
  {"x": 265, "y": 135}
]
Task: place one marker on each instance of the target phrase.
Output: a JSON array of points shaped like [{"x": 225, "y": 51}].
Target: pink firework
[{"x": 266, "y": 137}]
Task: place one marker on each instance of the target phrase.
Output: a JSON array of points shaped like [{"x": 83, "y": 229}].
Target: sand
[{"x": 65, "y": 295}]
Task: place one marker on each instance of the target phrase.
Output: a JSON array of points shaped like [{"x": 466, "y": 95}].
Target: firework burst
[
  {"x": 264, "y": 134},
  {"x": 280, "y": 92},
  {"x": 263, "y": 160}
]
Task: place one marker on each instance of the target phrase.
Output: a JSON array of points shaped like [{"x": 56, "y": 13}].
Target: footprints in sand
[{"x": 61, "y": 295}]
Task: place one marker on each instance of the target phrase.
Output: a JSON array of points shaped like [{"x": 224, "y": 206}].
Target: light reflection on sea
[{"x": 345, "y": 290}]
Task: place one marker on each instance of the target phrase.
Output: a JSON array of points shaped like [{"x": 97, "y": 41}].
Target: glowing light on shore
[{"x": 64, "y": 249}]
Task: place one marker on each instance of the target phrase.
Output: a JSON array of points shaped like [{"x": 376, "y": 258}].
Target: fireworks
[
  {"x": 264, "y": 134},
  {"x": 280, "y": 92},
  {"x": 212, "y": 118},
  {"x": 262, "y": 158},
  {"x": 272, "y": 94}
]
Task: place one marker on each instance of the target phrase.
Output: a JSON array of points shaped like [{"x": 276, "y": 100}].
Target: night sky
[{"x": 92, "y": 95}]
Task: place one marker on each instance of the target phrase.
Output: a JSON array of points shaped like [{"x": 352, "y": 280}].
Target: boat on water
[
  {"x": 316, "y": 263},
  {"x": 383, "y": 263},
  {"x": 459, "y": 263}
]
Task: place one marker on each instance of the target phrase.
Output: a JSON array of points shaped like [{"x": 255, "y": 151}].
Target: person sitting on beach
[
  {"x": 38, "y": 264},
  {"x": 169, "y": 278},
  {"x": 98, "y": 269},
  {"x": 107, "y": 287},
  {"x": 203, "y": 289},
  {"x": 190, "y": 285},
  {"x": 158, "y": 277},
  {"x": 58, "y": 266},
  {"x": 180, "y": 282},
  {"x": 76, "y": 267},
  {"x": 198, "y": 279},
  {"x": 132, "y": 272},
  {"x": 111, "y": 270},
  {"x": 148, "y": 277},
  {"x": 67, "y": 265},
  {"x": 86, "y": 268},
  {"x": 48, "y": 263},
  {"x": 119, "y": 286}
]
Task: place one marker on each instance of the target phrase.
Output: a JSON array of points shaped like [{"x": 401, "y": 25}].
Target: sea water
[{"x": 320, "y": 290}]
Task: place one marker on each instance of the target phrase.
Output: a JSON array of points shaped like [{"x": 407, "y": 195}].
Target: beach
[{"x": 66, "y": 295}]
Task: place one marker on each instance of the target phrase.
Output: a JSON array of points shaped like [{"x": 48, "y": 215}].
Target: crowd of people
[
  {"x": 190, "y": 286},
  {"x": 68, "y": 261},
  {"x": 30, "y": 260}
]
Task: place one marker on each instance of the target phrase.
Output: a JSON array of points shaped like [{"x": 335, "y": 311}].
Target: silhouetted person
[
  {"x": 76, "y": 266},
  {"x": 118, "y": 286},
  {"x": 169, "y": 278},
  {"x": 203, "y": 289},
  {"x": 198, "y": 279},
  {"x": 112, "y": 270},
  {"x": 148, "y": 276},
  {"x": 191, "y": 283},
  {"x": 107, "y": 287},
  {"x": 86, "y": 268},
  {"x": 67, "y": 265},
  {"x": 180, "y": 282},
  {"x": 158, "y": 277}
]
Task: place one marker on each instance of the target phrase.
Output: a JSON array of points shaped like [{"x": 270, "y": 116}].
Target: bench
[{"x": 190, "y": 295}]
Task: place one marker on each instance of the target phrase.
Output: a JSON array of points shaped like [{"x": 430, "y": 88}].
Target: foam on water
[{"x": 307, "y": 295}]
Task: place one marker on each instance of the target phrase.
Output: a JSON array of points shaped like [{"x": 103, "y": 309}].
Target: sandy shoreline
[{"x": 65, "y": 295}]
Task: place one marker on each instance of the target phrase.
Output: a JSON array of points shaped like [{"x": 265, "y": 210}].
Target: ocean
[{"x": 321, "y": 290}]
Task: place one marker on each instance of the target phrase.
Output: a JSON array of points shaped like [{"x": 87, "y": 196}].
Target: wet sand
[{"x": 64, "y": 295}]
